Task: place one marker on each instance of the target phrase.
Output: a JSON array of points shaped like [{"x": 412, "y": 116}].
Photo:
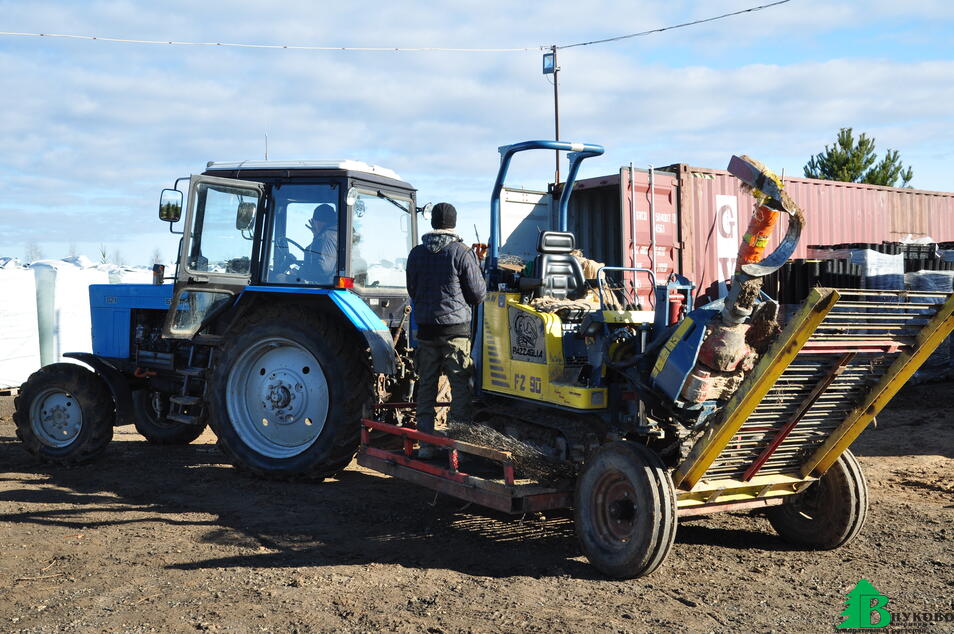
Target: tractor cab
[{"x": 303, "y": 226}]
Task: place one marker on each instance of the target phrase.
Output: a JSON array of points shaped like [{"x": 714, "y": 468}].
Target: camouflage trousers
[{"x": 452, "y": 358}]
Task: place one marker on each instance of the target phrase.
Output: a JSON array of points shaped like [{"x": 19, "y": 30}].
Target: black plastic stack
[
  {"x": 797, "y": 277},
  {"x": 791, "y": 284},
  {"x": 932, "y": 264}
]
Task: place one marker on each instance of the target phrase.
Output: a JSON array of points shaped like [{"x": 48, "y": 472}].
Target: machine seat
[{"x": 560, "y": 273}]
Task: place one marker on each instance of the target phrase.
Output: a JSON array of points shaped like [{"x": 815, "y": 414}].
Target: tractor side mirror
[
  {"x": 245, "y": 216},
  {"x": 170, "y": 205}
]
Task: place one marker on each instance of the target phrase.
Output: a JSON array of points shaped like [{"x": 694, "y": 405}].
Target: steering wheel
[{"x": 283, "y": 257}]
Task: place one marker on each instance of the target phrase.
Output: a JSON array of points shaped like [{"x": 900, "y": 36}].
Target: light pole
[{"x": 550, "y": 67}]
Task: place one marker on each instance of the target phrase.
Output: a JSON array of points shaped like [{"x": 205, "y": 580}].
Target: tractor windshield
[
  {"x": 304, "y": 235},
  {"x": 381, "y": 240}
]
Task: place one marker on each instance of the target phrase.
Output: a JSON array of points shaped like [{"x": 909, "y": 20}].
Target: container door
[{"x": 215, "y": 258}]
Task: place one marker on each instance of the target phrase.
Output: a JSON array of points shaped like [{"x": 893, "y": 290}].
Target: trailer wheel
[
  {"x": 288, "y": 392},
  {"x": 150, "y": 410},
  {"x": 64, "y": 414},
  {"x": 830, "y": 512},
  {"x": 625, "y": 510}
]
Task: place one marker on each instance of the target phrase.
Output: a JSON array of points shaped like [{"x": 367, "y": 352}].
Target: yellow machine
[{"x": 524, "y": 356}]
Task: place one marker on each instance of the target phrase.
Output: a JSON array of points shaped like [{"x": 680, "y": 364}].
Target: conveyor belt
[{"x": 833, "y": 368}]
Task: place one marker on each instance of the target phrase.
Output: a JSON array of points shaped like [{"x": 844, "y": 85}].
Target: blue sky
[{"x": 92, "y": 131}]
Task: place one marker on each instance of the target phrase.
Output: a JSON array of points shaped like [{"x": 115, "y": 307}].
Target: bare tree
[
  {"x": 103, "y": 254},
  {"x": 118, "y": 258},
  {"x": 32, "y": 252}
]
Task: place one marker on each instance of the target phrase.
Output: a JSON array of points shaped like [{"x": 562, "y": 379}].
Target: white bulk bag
[{"x": 19, "y": 337}]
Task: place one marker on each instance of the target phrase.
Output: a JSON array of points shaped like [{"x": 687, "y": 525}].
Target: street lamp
[{"x": 550, "y": 68}]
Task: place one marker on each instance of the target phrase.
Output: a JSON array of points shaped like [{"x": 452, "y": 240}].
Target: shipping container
[
  {"x": 615, "y": 221},
  {"x": 694, "y": 220}
]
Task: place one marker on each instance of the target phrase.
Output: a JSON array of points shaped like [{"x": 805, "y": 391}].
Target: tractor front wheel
[
  {"x": 625, "y": 510},
  {"x": 288, "y": 393},
  {"x": 64, "y": 414},
  {"x": 830, "y": 512},
  {"x": 150, "y": 411}
]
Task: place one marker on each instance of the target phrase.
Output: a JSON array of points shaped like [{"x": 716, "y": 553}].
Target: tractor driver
[
  {"x": 321, "y": 257},
  {"x": 443, "y": 282}
]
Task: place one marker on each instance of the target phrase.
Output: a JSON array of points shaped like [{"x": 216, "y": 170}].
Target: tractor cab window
[
  {"x": 381, "y": 240},
  {"x": 304, "y": 243},
  {"x": 224, "y": 224}
]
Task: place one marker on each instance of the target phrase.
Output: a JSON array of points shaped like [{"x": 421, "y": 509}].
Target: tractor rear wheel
[
  {"x": 288, "y": 392},
  {"x": 64, "y": 414},
  {"x": 830, "y": 512},
  {"x": 150, "y": 409},
  {"x": 625, "y": 510}
]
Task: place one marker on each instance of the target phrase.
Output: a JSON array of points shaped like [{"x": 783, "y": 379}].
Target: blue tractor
[{"x": 287, "y": 319}]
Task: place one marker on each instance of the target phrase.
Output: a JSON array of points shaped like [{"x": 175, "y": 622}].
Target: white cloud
[{"x": 83, "y": 119}]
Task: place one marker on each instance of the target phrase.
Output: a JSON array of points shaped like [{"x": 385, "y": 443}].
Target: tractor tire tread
[
  {"x": 355, "y": 370},
  {"x": 660, "y": 524},
  {"x": 98, "y": 407},
  {"x": 158, "y": 434},
  {"x": 848, "y": 489}
]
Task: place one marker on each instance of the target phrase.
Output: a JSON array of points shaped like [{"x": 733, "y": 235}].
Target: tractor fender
[
  {"x": 118, "y": 385},
  {"x": 358, "y": 314}
]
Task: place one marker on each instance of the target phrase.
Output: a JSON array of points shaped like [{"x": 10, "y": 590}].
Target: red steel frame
[
  {"x": 507, "y": 495},
  {"x": 859, "y": 346},
  {"x": 452, "y": 472}
]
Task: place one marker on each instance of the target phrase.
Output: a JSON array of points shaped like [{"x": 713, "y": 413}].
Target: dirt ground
[{"x": 171, "y": 539}]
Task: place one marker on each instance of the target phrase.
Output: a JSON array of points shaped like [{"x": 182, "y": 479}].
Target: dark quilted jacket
[{"x": 443, "y": 280}]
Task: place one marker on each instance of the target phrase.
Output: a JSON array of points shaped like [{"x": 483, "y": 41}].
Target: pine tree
[{"x": 856, "y": 162}]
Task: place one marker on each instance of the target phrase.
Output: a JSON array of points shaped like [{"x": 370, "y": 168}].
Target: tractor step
[
  {"x": 185, "y": 420},
  {"x": 192, "y": 372},
  {"x": 208, "y": 340},
  {"x": 187, "y": 401},
  {"x": 831, "y": 371}
]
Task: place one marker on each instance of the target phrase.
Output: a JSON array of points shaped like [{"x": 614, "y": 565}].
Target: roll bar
[{"x": 578, "y": 152}]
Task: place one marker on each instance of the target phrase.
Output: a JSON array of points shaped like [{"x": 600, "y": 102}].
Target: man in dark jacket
[
  {"x": 444, "y": 281},
  {"x": 321, "y": 257}
]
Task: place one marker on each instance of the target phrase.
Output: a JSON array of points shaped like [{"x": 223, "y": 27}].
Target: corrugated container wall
[
  {"x": 613, "y": 219},
  {"x": 700, "y": 215},
  {"x": 714, "y": 213}
]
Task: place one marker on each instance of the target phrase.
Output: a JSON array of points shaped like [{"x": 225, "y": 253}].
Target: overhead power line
[
  {"x": 389, "y": 49},
  {"x": 674, "y": 26},
  {"x": 376, "y": 49}
]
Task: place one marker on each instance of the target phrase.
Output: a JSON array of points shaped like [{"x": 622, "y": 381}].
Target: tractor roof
[{"x": 313, "y": 164}]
